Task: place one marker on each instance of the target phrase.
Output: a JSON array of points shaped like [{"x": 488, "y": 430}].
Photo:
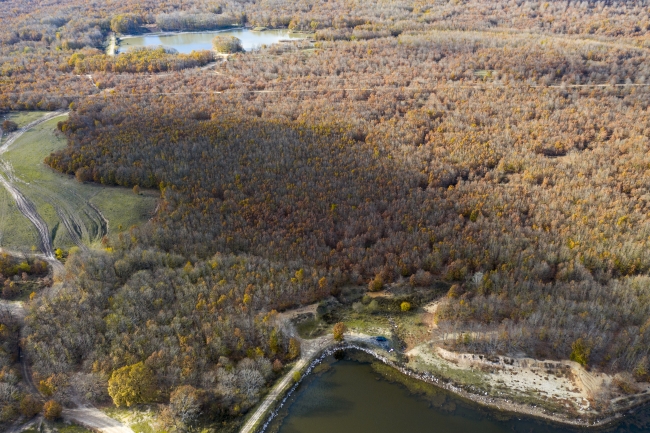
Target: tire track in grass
[
  {"x": 24, "y": 205},
  {"x": 27, "y": 208}
]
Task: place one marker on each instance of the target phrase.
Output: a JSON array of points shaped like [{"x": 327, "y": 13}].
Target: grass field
[
  {"x": 60, "y": 198},
  {"x": 22, "y": 118}
]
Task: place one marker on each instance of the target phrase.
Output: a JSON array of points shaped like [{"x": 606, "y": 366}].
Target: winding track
[
  {"x": 87, "y": 416},
  {"x": 25, "y": 205},
  {"x": 27, "y": 208},
  {"x": 71, "y": 221}
]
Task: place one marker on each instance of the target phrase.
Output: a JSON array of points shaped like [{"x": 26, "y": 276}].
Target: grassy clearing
[
  {"x": 312, "y": 328},
  {"x": 58, "y": 196},
  {"x": 140, "y": 419},
  {"x": 15, "y": 229},
  {"x": 23, "y": 118}
]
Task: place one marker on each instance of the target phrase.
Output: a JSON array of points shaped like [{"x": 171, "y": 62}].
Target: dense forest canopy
[{"x": 499, "y": 146}]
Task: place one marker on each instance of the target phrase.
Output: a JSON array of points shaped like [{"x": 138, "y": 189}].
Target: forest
[{"x": 500, "y": 147}]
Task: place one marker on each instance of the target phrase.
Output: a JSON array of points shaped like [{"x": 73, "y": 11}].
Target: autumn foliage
[{"x": 498, "y": 147}]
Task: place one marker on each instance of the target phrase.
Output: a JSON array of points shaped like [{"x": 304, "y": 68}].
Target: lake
[
  {"x": 188, "y": 42},
  {"x": 350, "y": 396}
]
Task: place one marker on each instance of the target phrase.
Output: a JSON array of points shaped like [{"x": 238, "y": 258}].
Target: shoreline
[
  {"x": 500, "y": 404},
  {"x": 180, "y": 32},
  {"x": 113, "y": 44}
]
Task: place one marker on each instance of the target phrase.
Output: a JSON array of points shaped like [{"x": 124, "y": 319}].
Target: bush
[
  {"x": 373, "y": 306},
  {"x": 9, "y": 126},
  {"x": 227, "y": 44},
  {"x": 339, "y": 331},
  {"x": 405, "y": 306},
  {"x": 376, "y": 284},
  {"x": 30, "y": 406},
  {"x": 52, "y": 410},
  {"x": 580, "y": 352}
]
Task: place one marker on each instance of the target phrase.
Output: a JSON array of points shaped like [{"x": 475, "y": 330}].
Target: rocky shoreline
[{"x": 501, "y": 404}]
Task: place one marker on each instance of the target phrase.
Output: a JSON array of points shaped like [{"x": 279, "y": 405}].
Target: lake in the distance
[
  {"x": 351, "y": 397},
  {"x": 188, "y": 42}
]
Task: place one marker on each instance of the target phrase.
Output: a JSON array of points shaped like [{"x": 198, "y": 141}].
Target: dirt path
[
  {"x": 276, "y": 393},
  {"x": 309, "y": 350},
  {"x": 94, "y": 419}
]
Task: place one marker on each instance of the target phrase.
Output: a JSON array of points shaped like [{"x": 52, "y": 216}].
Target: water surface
[
  {"x": 188, "y": 42},
  {"x": 350, "y": 397}
]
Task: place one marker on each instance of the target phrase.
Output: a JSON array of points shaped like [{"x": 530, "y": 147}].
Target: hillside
[{"x": 496, "y": 149}]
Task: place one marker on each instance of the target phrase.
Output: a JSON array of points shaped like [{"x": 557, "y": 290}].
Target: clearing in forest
[{"x": 75, "y": 213}]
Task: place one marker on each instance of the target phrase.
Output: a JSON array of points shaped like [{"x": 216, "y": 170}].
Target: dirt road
[
  {"x": 309, "y": 348},
  {"x": 94, "y": 419}
]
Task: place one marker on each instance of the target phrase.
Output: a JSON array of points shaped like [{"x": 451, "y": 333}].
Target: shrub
[
  {"x": 454, "y": 291},
  {"x": 339, "y": 331},
  {"x": 580, "y": 352},
  {"x": 405, "y": 306},
  {"x": 373, "y": 306},
  {"x": 376, "y": 284},
  {"x": 30, "y": 406},
  {"x": 52, "y": 410},
  {"x": 9, "y": 126}
]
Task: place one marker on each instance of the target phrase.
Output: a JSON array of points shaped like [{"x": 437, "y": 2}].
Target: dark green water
[
  {"x": 188, "y": 42},
  {"x": 351, "y": 397}
]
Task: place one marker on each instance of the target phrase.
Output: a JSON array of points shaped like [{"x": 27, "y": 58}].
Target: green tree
[
  {"x": 580, "y": 352},
  {"x": 294, "y": 348},
  {"x": 132, "y": 384}
]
